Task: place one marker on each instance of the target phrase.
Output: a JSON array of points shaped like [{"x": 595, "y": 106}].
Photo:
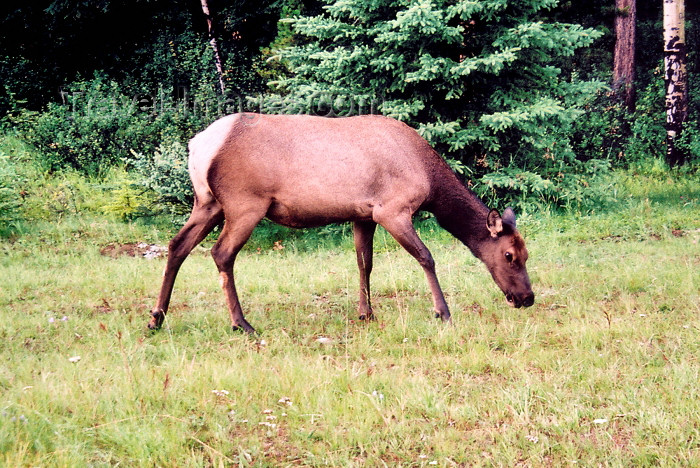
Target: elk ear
[
  {"x": 494, "y": 223},
  {"x": 509, "y": 217}
]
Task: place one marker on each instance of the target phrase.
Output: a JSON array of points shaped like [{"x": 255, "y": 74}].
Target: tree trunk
[
  {"x": 624, "y": 65},
  {"x": 676, "y": 77},
  {"x": 214, "y": 46}
]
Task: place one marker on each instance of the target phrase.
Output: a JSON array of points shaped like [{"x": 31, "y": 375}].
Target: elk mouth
[{"x": 514, "y": 301}]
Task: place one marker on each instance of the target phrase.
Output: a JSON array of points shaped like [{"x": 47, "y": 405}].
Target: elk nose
[{"x": 529, "y": 300}]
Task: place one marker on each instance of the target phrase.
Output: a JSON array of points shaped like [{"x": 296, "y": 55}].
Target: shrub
[
  {"x": 165, "y": 173},
  {"x": 91, "y": 131},
  {"x": 99, "y": 125},
  {"x": 579, "y": 187},
  {"x": 10, "y": 196}
]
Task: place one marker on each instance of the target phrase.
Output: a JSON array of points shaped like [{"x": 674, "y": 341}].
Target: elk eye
[{"x": 509, "y": 257}]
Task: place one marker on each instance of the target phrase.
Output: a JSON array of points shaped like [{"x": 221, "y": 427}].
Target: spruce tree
[{"x": 479, "y": 79}]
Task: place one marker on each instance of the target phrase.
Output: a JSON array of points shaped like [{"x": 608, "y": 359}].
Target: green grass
[{"x": 603, "y": 370}]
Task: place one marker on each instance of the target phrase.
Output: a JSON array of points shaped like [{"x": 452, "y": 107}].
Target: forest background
[{"x": 519, "y": 97}]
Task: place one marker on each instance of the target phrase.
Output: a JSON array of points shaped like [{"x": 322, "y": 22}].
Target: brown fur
[{"x": 303, "y": 171}]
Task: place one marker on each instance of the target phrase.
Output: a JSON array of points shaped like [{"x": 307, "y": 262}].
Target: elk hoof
[
  {"x": 245, "y": 327},
  {"x": 367, "y": 317},
  {"x": 157, "y": 318},
  {"x": 444, "y": 316}
]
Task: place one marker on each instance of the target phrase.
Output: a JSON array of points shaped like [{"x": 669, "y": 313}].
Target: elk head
[{"x": 505, "y": 255}]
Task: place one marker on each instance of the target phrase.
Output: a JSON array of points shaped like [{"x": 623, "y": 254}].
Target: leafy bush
[
  {"x": 578, "y": 187},
  {"x": 99, "y": 125},
  {"x": 647, "y": 124},
  {"x": 10, "y": 196},
  {"x": 689, "y": 141},
  {"x": 165, "y": 173},
  {"x": 612, "y": 132},
  {"x": 644, "y": 130},
  {"x": 91, "y": 131}
]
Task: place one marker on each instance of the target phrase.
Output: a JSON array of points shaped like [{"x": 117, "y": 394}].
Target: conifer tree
[{"x": 479, "y": 79}]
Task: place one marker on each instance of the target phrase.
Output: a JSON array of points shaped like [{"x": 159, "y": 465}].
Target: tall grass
[{"x": 603, "y": 370}]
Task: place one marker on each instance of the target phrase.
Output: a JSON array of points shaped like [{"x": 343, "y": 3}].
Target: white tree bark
[
  {"x": 675, "y": 76},
  {"x": 214, "y": 46}
]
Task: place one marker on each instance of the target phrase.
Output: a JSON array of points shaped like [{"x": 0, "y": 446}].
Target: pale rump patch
[{"x": 203, "y": 148}]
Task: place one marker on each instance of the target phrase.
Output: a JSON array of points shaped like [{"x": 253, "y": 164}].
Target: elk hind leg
[
  {"x": 237, "y": 230},
  {"x": 202, "y": 220},
  {"x": 363, "y": 233}
]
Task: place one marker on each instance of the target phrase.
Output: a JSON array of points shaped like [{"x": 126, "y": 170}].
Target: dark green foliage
[
  {"x": 623, "y": 137},
  {"x": 141, "y": 44},
  {"x": 98, "y": 126},
  {"x": 10, "y": 195},
  {"x": 578, "y": 186},
  {"x": 91, "y": 132},
  {"x": 165, "y": 173},
  {"x": 630, "y": 137}
]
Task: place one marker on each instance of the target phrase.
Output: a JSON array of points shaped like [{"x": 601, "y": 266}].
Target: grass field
[{"x": 603, "y": 371}]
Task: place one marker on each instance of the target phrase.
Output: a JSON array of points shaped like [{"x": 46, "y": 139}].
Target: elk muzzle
[{"x": 517, "y": 301}]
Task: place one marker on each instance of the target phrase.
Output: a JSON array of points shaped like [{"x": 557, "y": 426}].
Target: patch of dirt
[
  {"x": 136, "y": 249},
  {"x": 103, "y": 308}
]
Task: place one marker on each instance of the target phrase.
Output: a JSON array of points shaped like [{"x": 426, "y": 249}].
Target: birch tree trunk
[
  {"x": 676, "y": 77},
  {"x": 214, "y": 46},
  {"x": 624, "y": 63}
]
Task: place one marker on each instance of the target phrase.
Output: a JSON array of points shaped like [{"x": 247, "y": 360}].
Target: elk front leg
[
  {"x": 401, "y": 228},
  {"x": 363, "y": 233}
]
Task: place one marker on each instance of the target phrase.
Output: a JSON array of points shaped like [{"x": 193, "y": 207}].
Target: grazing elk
[{"x": 303, "y": 171}]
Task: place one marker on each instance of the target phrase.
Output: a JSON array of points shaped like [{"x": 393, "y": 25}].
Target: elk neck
[{"x": 460, "y": 212}]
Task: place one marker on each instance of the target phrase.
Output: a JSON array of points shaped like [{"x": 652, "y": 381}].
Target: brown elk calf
[{"x": 303, "y": 171}]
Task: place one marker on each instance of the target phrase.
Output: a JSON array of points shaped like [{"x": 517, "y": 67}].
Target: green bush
[
  {"x": 610, "y": 131},
  {"x": 577, "y": 187},
  {"x": 647, "y": 124},
  {"x": 91, "y": 131},
  {"x": 165, "y": 173},
  {"x": 99, "y": 125},
  {"x": 10, "y": 196}
]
